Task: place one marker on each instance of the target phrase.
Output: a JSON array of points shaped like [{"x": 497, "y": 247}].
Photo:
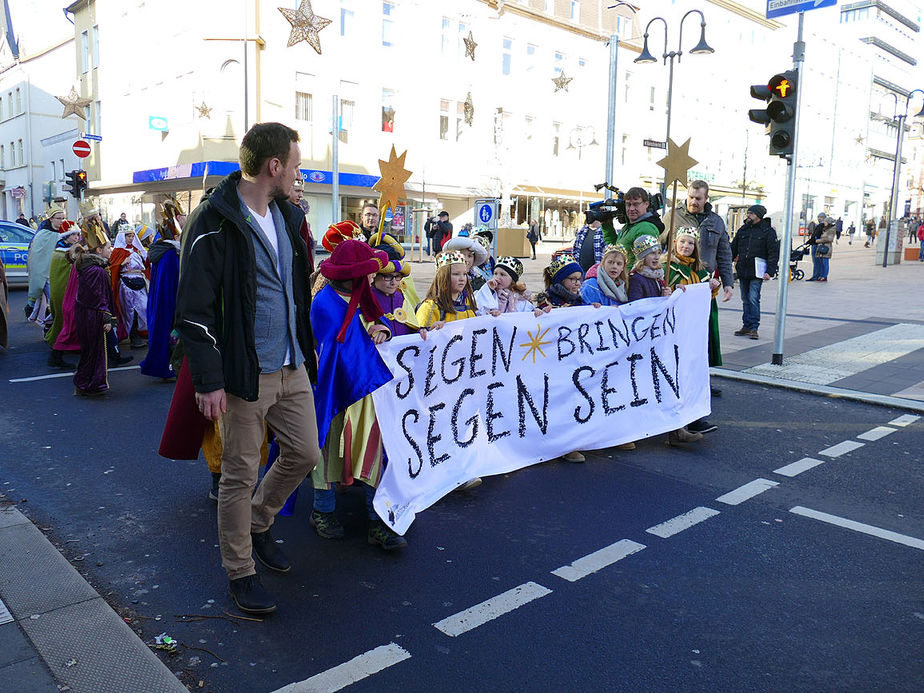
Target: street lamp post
[
  {"x": 896, "y": 169},
  {"x": 701, "y": 48},
  {"x": 611, "y": 94}
]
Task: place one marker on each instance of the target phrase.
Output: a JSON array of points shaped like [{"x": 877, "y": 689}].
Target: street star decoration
[
  {"x": 470, "y": 46},
  {"x": 204, "y": 111},
  {"x": 676, "y": 164},
  {"x": 391, "y": 185},
  {"x": 561, "y": 82},
  {"x": 74, "y": 103},
  {"x": 468, "y": 109},
  {"x": 305, "y": 25}
]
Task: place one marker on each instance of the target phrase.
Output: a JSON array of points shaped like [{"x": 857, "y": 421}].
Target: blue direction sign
[{"x": 778, "y": 8}]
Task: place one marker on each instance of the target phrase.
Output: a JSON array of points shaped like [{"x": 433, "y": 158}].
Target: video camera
[{"x": 615, "y": 206}]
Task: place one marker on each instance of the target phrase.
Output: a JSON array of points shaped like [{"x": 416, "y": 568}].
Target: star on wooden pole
[
  {"x": 470, "y": 46},
  {"x": 561, "y": 82},
  {"x": 204, "y": 111},
  {"x": 74, "y": 103},
  {"x": 305, "y": 25},
  {"x": 468, "y": 109},
  {"x": 391, "y": 185},
  {"x": 676, "y": 164}
]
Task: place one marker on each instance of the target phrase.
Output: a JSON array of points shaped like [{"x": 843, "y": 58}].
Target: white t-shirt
[{"x": 268, "y": 227}]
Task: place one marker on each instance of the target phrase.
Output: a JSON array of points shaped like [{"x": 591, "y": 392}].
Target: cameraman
[{"x": 642, "y": 222}]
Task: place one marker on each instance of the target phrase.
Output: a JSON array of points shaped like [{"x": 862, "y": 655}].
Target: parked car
[{"x": 14, "y": 250}]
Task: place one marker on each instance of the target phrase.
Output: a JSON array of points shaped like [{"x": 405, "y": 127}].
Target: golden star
[
  {"x": 469, "y": 46},
  {"x": 536, "y": 342},
  {"x": 74, "y": 103},
  {"x": 468, "y": 109},
  {"x": 204, "y": 111},
  {"x": 391, "y": 185},
  {"x": 677, "y": 162},
  {"x": 561, "y": 82},
  {"x": 305, "y": 25}
]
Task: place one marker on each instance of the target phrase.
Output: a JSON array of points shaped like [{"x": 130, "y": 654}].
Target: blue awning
[{"x": 223, "y": 168}]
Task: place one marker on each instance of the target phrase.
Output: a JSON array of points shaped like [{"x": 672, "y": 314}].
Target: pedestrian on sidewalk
[
  {"x": 921, "y": 239},
  {"x": 851, "y": 231},
  {"x": 755, "y": 248},
  {"x": 533, "y": 236},
  {"x": 242, "y": 314},
  {"x": 821, "y": 241}
]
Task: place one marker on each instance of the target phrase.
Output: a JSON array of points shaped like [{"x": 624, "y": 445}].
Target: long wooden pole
[{"x": 670, "y": 236}]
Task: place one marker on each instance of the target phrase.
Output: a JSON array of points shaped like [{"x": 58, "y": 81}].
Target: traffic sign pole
[{"x": 798, "y": 58}]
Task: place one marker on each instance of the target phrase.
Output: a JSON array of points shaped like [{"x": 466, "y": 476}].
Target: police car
[{"x": 14, "y": 250}]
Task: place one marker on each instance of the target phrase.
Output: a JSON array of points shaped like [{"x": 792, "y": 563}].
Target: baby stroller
[{"x": 794, "y": 258}]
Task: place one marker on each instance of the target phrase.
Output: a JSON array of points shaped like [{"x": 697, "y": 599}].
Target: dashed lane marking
[
  {"x": 597, "y": 560},
  {"x": 490, "y": 609},
  {"x": 841, "y": 448},
  {"x": 358, "y": 668},
  {"x": 5, "y": 615},
  {"x": 904, "y": 420},
  {"x": 798, "y": 467},
  {"x": 746, "y": 492},
  {"x": 876, "y": 433},
  {"x": 682, "y": 522},
  {"x": 68, "y": 374},
  {"x": 859, "y": 527}
]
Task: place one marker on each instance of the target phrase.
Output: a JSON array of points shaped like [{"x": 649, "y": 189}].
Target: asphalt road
[{"x": 753, "y": 597}]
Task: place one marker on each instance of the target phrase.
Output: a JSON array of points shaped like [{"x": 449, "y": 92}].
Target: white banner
[{"x": 489, "y": 395}]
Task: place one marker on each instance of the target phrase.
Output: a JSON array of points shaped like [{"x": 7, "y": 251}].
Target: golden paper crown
[
  {"x": 88, "y": 208},
  {"x": 453, "y": 257},
  {"x": 616, "y": 248}
]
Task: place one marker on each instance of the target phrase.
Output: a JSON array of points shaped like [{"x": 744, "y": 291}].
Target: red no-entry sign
[{"x": 81, "y": 148}]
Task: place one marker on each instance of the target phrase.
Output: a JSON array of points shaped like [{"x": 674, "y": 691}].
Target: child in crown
[
  {"x": 504, "y": 292},
  {"x": 646, "y": 280},
  {"x": 607, "y": 282}
]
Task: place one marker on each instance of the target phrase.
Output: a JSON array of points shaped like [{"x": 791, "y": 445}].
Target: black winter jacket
[
  {"x": 755, "y": 240},
  {"x": 216, "y": 298}
]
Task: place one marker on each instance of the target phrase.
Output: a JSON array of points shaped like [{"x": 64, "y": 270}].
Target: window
[
  {"x": 346, "y": 119},
  {"x": 625, "y": 97},
  {"x": 651, "y": 99},
  {"x": 19, "y": 155},
  {"x": 304, "y": 106},
  {"x": 85, "y": 52},
  {"x": 460, "y": 119},
  {"x": 62, "y": 169},
  {"x": 11, "y": 109},
  {"x": 97, "y": 121},
  {"x": 507, "y": 55},
  {"x": 556, "y": 134},
  {"x": 445, "y": 36},
  {"x": 1, "y": 107},
  {"x": 2, "y": 156},
  {"x": 625, "y": 141},
  {"x": 461, "y": 35},
  {"x": 444, "y": 119},
  {"x": 529, "y": 127},
  {"x": 94, "y": 57},
  {"x": 388, "y": 110},
  {"x": 18, "y": 101},
  {"x": 582, "y": 63},
  {"x": 559, "y": 62},
  {"x": 388, "y": 24},
  {"x": 346, "y": 17},
  {"x": 53, "y": 174},
  {"x": 575, "y": 15},
  {"x": 530, "y": 57},
  {"x": 12, "y": 155}
]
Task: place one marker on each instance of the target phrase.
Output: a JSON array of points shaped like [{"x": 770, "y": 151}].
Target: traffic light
[
  {"x": 779, "y": 115},
  {"x": 76, "y": 182}
]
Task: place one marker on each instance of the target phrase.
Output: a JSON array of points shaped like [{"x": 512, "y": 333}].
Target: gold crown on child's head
[
  {"x": 687, "y": 231},
  {"x": 452, "y": 257},
  {"x": 616, "y": 248}
]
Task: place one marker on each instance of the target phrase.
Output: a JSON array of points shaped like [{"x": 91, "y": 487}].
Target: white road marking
[
  {"x": 798, "y": 467},
  {"x": 904, "y": 420},
  {"x": 876, "y": 433},
  {"x": 746, "y": 492},
  {"x": 841, "y": 448},
  {"x": 681, "y": 522},
  {"x": 5, "y": 615},
  {"x": 358, "y": 668},
  {"x": 859, "y": 527},
  {"x": 597, "y": 560},
  {"x": 68, "y": 374},
  {"x": 490, "y": 609}
]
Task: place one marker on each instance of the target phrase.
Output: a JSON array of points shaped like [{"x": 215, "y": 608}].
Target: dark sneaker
[
  {"x": 753, "y": 334},
  {"x": 27, "y": 309},
  {"x": 250, "y": 596},
  {"x": 743, "y": 332},
  {"x": 326, "y": 525},
  {"x": 213, "y": 490},
  {"x": 702, "y": 426},
  {"x": 56, "y": 360},
  {"x": 383, "y": 535},
  {"x": 269, "y": 553},
  {"x": 119, "y": 360},
  {"x": 682, "y": 435}
]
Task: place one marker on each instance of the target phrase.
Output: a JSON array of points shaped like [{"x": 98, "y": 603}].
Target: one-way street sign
[{"x": 778, "y": 8}]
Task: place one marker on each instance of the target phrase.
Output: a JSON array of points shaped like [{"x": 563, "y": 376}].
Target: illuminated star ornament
[
  {"x": 305, "y": 25},
  {"x": 391, "y": 185},
  {"x": 470, "y": 46},
  {"x": 677, "y": 162},
  {"x": 468, "y": 109},
  {"x": 535, "y": 343},
  {"x": 204, "y": 111},
  {"x": 74, "y": 103},
  {"x": 561, "y": 82}
]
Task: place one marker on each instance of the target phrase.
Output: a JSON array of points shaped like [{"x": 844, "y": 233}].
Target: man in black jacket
[
  {"x": 242, "y": 314},
  {"x": 755, "y": 249}
]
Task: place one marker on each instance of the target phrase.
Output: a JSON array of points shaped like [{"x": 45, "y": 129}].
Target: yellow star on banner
[
  {"x": 677, "y": 162},
  {"x": 561, "y": 82},
  {"x": 305, "y": 25},
  {"x": 74, "y": 103},
  {"x": 535, "y": 343},
  {"x": 391, "y": 185},
  {"x": 470, "y": 46}
]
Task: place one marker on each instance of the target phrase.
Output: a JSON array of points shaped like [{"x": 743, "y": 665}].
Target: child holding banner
[
  {"x": 646, "y": 280},
  {"x": 346, "y": 321},
  {"x": 607, "y": 282},
  {"x": 450, "y": 296},
  {"x": 504, "y": 292},
  {"x": 386, "y": 287}
]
